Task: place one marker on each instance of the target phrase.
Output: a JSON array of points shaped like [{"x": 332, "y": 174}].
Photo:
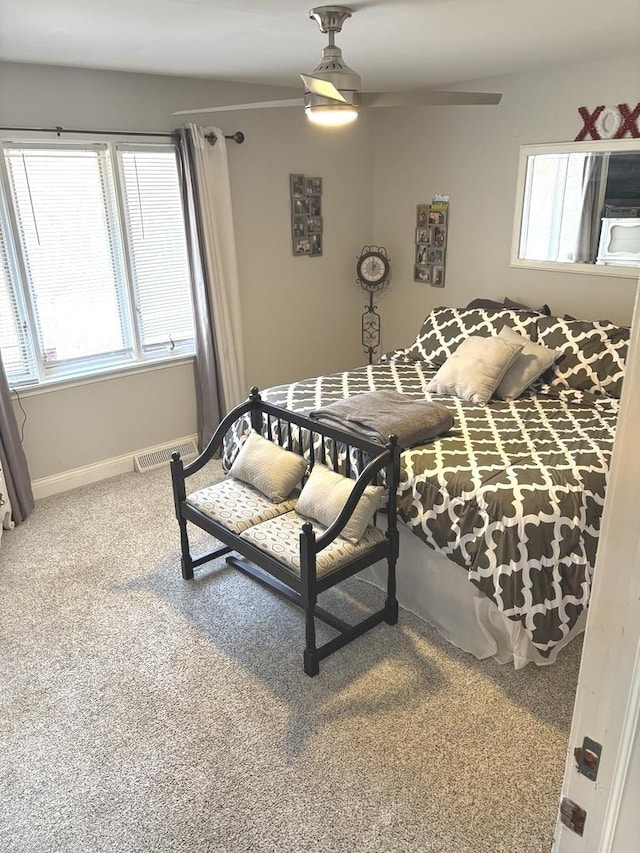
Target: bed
[{"x": 501, "y": 515}]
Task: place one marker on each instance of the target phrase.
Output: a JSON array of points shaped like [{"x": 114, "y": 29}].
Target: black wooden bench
[{"x": 315, "y": 557}]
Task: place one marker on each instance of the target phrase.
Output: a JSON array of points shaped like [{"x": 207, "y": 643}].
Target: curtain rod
[{"x": 238, "y": 136}]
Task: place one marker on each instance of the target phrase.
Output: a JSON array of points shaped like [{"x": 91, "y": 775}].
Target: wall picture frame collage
[
  {"x": 432, "y": 222},
  {"x": 306, "y": 215}
]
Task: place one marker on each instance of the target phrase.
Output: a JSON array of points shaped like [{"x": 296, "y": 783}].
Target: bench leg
[
  {"x": 311, "y": 659},
  {"x": 391, "y": 607},
  {"x": 311, "y": 663},
  {"x": 309, "y": 601},
  {"x": 186, "y": 562},
  {"x": 391, "y": 603}
]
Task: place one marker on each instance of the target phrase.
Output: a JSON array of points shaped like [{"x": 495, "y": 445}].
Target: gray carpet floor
[{"x": 141, "y": 712}]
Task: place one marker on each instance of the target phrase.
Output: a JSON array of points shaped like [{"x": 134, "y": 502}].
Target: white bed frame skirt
[{"x": 439, "y": 592}]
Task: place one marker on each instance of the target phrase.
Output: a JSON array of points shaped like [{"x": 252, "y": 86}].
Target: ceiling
[{"x": 391, "y": 43}]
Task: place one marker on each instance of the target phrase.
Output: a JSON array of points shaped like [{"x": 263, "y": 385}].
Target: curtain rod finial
[{"x": 238, "y": 137}]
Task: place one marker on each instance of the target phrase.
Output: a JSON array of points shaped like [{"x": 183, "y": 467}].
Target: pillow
[
  {"x": 270, "y": 469},
  {"x": 530, "y": 363},
  {"x": 491, "y": 304},
  {"x": 475, "y": 369},
  {"x": 444, "y": 329},
  {"x": 593, "y": 354},
  {"x": 510, "y": 303},
  {"x": 507, "y": 303},
  {"x": 326, "y": 492}
]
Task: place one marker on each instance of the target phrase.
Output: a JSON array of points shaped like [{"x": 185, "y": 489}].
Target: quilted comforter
[{"x": 513, "y": 493}]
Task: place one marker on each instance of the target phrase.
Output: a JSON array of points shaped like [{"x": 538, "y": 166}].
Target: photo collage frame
[
  {"x": 431, "y": 241},
  {"x": 306, "y": 215}
]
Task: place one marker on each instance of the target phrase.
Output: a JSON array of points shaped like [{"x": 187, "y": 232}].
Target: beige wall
[
  {"x": 472, "y": 154},
  {"x": 96, "y": 420},
  {"x": 301, "y": 316}
]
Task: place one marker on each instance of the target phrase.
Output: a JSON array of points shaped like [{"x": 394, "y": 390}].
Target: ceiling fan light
[{"x": 331, "y": 115}]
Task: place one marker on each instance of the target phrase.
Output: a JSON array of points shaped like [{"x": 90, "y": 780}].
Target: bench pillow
[
  {"x": 444, "y": 329},
  {"x": 324, "y": 495},
  {"x": 272, "y": 470},
  {"x": 592, "y": 357},
  {"x": 530, "y": 363},
  {"x": 475, "y": 369}
]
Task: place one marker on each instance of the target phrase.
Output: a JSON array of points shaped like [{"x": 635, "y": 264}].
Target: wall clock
[{"x": 372, "y": 268}]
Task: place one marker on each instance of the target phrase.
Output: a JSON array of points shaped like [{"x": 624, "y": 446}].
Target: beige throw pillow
[
  {"x": 530, "y": 363},
  {"x": 475, "y": 369},
  {"x": 325, "y": 494},
  {"x": 268, "y": 468}
]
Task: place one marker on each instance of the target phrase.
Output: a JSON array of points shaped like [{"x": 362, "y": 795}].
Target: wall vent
[{"x": 161, "y": 455}]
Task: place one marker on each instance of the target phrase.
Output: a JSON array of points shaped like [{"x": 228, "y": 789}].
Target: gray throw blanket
[{"x": 376, "y": 415}]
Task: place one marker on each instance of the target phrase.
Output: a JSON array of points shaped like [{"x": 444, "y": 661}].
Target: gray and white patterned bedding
[{"x": 514, "y": 492}]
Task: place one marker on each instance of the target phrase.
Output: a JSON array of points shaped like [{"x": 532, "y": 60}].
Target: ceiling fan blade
[
  {"x": 260, "y": 105},
  {"x": 318, "y": 86},
  {"x": 427, "y": 98}
]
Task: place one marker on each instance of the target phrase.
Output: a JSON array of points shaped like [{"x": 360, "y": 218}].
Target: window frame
[
  {"x": 603, "y": 147},
  {"x": 22, "y": 314},
  {"x": 135, "y": 356}
]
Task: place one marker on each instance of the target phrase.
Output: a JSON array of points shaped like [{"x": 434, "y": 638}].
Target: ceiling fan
[{"x": 332, "y": 93}]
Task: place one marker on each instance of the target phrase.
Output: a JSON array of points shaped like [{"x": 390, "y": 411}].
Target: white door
[{"x": 607, "y": 708}]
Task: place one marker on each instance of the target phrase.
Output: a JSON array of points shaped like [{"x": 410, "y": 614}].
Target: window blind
[
  {"x": 553, "y": 201},
  {"x": 63, "y": 205},
  {"x": 157, "y": 246}
]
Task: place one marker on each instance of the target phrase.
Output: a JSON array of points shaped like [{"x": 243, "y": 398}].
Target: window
[
  {"x": 95, "y": 273},
  {"x": 553, "y": 207}
]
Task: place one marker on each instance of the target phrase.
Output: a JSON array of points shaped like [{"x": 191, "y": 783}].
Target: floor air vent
[{"x": 160, "y": 456}]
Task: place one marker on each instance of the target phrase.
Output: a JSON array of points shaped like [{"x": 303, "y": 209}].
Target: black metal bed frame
[{"x": 327, "y": 445}]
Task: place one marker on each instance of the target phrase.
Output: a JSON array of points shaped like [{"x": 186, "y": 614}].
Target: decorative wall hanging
[
  {"x": 373, "y": 268},
  {"x": 612, "y": 122},
  {"x": 432, "y": 222},
  {"x": 306, "y": 215}
]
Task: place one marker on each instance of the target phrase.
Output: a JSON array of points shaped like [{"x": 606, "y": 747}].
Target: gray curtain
[
  {"x": 589, "y": 228},
  {"x": 209, "y": 399},
  {"x": 12, "y": 458},
  {"x": 216, "y": 288}
]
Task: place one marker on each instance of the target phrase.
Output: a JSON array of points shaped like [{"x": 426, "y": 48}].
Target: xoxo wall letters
[{"x": 612, "y": 122}]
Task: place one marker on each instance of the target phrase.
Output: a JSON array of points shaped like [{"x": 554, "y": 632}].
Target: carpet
[{"x": 142, "y": 712}]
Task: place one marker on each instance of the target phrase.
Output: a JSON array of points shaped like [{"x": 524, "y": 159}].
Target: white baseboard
[{"x": 75, "y": 477}]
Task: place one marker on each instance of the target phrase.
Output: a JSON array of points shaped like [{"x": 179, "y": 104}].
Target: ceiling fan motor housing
[{"x": 332, "y": 66}]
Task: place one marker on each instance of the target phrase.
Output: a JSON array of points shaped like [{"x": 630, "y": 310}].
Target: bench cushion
[
  {"x": 280, "y": 538},
  {"x": 237, "y": 505}
]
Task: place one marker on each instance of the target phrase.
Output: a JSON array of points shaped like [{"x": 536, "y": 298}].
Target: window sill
[{"x": 58, "y": 384}]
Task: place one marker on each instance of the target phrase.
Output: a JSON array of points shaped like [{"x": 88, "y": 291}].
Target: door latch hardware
[
  {"x": 572, "y": 815},
  {"x": 587, "y": 758}
]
